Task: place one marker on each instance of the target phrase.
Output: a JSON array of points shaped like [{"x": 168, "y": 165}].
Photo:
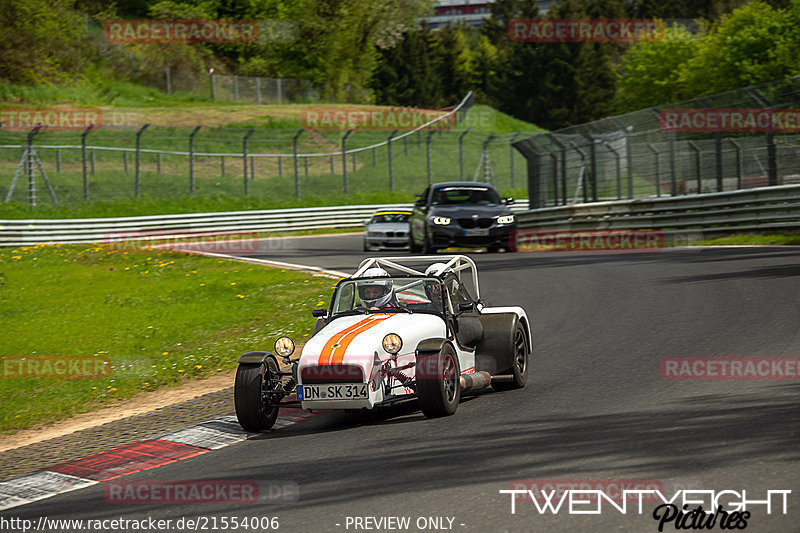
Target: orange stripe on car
[
  {"x": 344, "y": 343},
  {"x": 328, "y": 349}
]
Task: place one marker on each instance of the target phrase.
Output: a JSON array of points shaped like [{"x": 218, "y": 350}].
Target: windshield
[
  {"x": 389, "y": 218},
  {"x": 473, "y": 195},
  {"x": 414, "y": 294}
]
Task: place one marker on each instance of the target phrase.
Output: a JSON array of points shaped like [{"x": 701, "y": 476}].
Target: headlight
[
  {"x": 508, "y": 219},
  {"x": 392, "y": 343},
  {"x": 441, "y": 221},
  {"x": 284, "y": 346}
]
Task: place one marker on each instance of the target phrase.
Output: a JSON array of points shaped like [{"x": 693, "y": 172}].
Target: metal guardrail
[
  {"x": 84, "y": 230},
  {"x": 768, "y": 208}
]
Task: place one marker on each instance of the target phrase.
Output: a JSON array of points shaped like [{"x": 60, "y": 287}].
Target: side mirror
[
  {"x": 508, "y": 201},
  {"x": 463, "y": 307},
  {"x": 418, "y": 195},
  {"x": 366, "y": 221},
  {"x": 317, "y": 313},
  {"x": 420, "y": 202}
]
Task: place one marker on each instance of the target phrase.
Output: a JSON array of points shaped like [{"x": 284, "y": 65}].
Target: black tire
[
  {"x": 365, "y": 246},
  {"x": 251, "y": 412},
  {"x": 493, "y": 249},
  {"x": 438, "y": 387},
  {"x": 519, "y": 370}
]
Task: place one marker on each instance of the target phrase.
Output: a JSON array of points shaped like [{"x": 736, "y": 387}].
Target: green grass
[
  {"x": 770, "y": 239},
  {"x": 160, "y": 316}
]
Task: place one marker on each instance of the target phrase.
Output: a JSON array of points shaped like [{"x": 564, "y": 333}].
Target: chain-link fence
[
  {"x": 739, "y": 139},
  {"x": 115, "y": 163}
]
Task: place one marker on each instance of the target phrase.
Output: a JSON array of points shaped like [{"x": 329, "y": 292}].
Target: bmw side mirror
[
  {"x": 508, "y": 201},
  {"x": 317, "y": 313},
  {"x": 420, "y": 202},
  {"x": 463, "y": 307}
]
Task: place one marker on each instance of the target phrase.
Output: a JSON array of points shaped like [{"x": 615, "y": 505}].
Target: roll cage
[{"x": 460, "y": 265}]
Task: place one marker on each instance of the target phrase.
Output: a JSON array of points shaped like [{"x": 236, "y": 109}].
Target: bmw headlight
[
  {"x": 284, "y": 346},
  {"x": 508, "y": 219},
  {"x": 392, "y": 343},
  {"x": 441, "y": 221}
]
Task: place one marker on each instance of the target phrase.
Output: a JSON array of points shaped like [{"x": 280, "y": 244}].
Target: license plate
[
  {"x": 479, "y": 232},
  {"x": 345, "y": 391}
]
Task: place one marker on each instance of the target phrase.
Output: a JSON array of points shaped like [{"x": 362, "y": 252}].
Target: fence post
[
  {"x": 235, "y": 88},
  {"x": 658, "y": 170},
  {"x": 555, "y": 178},
  {"x": 772, "y": 160},
  {"x": 58, "y": 160},
  {"x": 168, "y": 79},
  {"x": 391, "y": 160},
  {"x": 563, "y": 166},
  {"x": 673, "y": 186},
  {"x": 280, "y": 167},
  {"x": 138, "y": 157},
  {"x": 333, "y": 170},
  {"x": 83, "y": 158},
  {"x": 244, "y": 157},
  {"x": 222, "y": 163},
  {"x": 344, "y": 159},
  {"x": 583, "y": 162},
  {"x": 738, "y": 148},
  {"x": 158, "y": 164},
  {"x": 213, "y": 86},
  {"x": 618, "y": 159},
  {"x": 191, "y": 158},
  {"x": 374, "y": 157},
  {"x": 294, "y": 158},
  {"x": 698, "y": 159},
  {"x": 428, "y": 153},
  {"x": 592, "y": 161},
  {"x": 461, "y": 154},
  {"x": 511, "y": 155},
  {"x": 280, "y": 91},
  {"x": 258, "y": 90}
]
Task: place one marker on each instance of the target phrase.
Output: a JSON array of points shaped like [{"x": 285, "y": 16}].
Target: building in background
[{"x": 468, "y": 12}]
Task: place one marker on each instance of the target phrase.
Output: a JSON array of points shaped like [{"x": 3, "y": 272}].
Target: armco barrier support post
[
  {"x": 138, "y": 158},
  {"x": 511, "y": 155},
  {"x": 344, "y": 160},
  {"x": 391, "y": 159},
  {"x": 294, "y": 158},
  {"x": 461, "y": 154},
  {"x": 83, "y": 159},
  {"x": 244, "y": 158},
  {"x": 191, "y": 158}
]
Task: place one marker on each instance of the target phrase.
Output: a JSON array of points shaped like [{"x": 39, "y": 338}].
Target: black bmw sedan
[{"x": 460, "y": 213}]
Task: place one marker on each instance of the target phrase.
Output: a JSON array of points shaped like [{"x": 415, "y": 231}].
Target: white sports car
[{"x": 390, "y": 337}]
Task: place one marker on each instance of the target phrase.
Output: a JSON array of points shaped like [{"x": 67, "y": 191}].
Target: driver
[{"x": 377, "y": 293}]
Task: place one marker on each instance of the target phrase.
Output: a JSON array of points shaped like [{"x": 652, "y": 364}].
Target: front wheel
[
  {"x": 519, "y": 370},
  {"x": 438, "y": 387},
  {"x": 427, "y": 247},
  {"x": 248, "y": 396}
]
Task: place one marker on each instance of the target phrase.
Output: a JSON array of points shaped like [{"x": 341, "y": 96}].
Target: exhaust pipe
[{"x": 475, "y": 380}]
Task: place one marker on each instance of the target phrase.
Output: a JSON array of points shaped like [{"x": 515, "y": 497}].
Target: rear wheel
[
  {"x": 248, "y": 396},
  {"x": 519, "y": 370},
  {"x": 412, "y": 247},
  {"x": 438, "y": 387}
]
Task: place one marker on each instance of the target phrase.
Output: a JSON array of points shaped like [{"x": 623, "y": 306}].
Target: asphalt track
[{"x": 595, "y": 408}]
